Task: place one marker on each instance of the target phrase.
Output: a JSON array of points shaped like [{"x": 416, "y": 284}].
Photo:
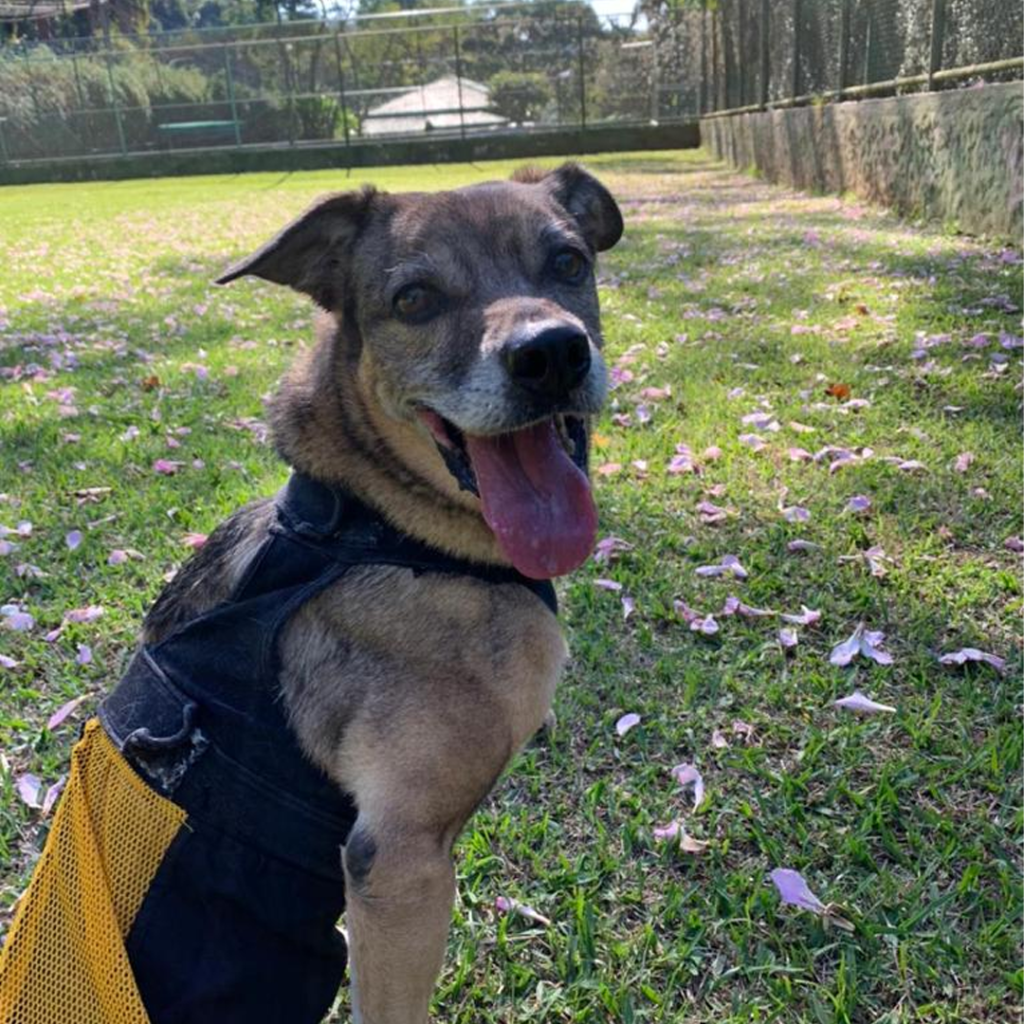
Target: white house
[{"x": 434, "y": 106}]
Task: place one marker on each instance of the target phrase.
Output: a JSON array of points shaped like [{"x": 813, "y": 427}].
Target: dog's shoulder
[{"x": 209, "y": 577}]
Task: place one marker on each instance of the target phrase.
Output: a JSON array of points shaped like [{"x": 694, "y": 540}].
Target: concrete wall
[
  {"x": 956, "y": 155},
  {"x": 482, "y": 146}
]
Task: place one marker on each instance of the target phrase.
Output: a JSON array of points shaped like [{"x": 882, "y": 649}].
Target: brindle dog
[{"x": 457, "y": 366}]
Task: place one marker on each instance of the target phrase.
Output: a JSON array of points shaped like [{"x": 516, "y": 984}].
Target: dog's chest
[{"x": 382, "y": 645}]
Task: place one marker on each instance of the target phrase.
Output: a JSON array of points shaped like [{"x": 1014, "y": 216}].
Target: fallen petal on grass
[
  {"x": 62, "y": 713},
  {"x": 73, "y": 539},
  {"x": 627, "y": 722},
  {"x": 863, "y": 705},
  {"x": 967, "y": 654},
  {"x": 688, "y": 775},
  {"x": 28, "y": 787},
  {"x": 507, "y": 905},
  {"x": 795, "y": 891}
]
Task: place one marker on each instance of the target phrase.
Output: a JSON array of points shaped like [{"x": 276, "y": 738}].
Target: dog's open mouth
[{"x": 533, "y": 487}]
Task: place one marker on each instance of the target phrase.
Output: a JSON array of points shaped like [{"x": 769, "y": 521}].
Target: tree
[{"x": 519, "y": 96}]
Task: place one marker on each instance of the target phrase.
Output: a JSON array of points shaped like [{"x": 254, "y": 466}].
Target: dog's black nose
[{"x": 550, "y": 363}]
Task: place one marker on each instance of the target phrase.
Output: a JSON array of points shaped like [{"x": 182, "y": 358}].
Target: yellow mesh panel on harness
[{"x": 65, "y": 960}]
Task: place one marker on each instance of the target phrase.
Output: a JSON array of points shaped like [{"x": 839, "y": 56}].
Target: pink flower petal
[
  {"x": 963, "y": 462},
  {"x": 862, "y": 705},
  {"x": 627, "y": 722},
  {"x": 84, "y": 656},
  {"x": 799, "y": 455},
  {"x": 706, "y": 625},
  {"x": 194, "y": 540},
  {"x": 628, "y": 606},
  {"x": 8, "y": 662},
  {"x": 608, "y": 585},
  {"x": 788, "y": 638},
  {"x": 14, "y": 618},
  {"x": 73, "y": 539},
  {"x": 744, "y": 729},
  {"x": 967, "y": 654},
  {"x": 795, "y": 891},
  {"x": 712, "y": 453},
  {"x": 796, "y": 514},
  {"x": 718, "y": 740},
  {"x": 1014, "y": 544},
  {"x": 858, "y": 503},
  {"x": 167, "y": 467},
  {"x": 688, "y": 775},
  {"x": 28, "y": 786},
  {"x": 62, "y": 712},
  {"x": 845, "y": 652},
  {"x": 753, "y": 442},
  {"x": 508, "y": 905},
  {"x": 807, "y": 617},
  {"x": 52, "y": 793},
  {"x": 802, "y": 545},
  {"x": 117, "y": 557},
  {"x": 608, "y": 548},
  {"x": 670, "y": 831},
  {"x": 88, "y": 614},
  {"x": 869, "y": 647}
]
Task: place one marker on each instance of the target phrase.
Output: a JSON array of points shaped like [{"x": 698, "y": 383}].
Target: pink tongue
[{"x": 535, "y": 500}]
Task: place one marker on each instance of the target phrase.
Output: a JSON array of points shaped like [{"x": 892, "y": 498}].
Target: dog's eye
[
  {"x": 416, "y": 302},
  {"x": 569, "y": 266}
]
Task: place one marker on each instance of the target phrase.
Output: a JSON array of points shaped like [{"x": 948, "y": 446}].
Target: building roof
[{"x": 434, "y": 105}]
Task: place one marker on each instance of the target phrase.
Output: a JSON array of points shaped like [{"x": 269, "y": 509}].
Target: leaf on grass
[
  {"x": 967, "y": 654},
  {"x": 688, "y": 775},
  {"x": 840, "y": 391},
  {"x": 863, "y": 705},
  {"x": 795, "y": 891},
  {"x": 627, "y": 722}
]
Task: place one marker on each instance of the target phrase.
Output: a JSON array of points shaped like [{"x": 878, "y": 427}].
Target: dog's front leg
[{"x": 400, "y": 885}]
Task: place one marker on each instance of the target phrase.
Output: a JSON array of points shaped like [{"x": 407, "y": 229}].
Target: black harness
[{"x": 239, "y": 922}]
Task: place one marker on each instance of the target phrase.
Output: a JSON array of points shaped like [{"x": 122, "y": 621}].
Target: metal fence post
[
  {"x": 797, "y": 18},
  {"x": 844, "y": 47},
  {"x": 116, "y": 106},
  {"x": 702, "y": 99},
  {"x": 230, "y": 78},
  {"x": 583, "y": 77},
  {"x": 938, "y": 39},
  {"x": 341, "y": 89},
  {"x": 765, "y": 56},
  {"x": 715, "y": 86},
  {"x": 4, "y": 155},
  {"x": 458, "y": 79}
]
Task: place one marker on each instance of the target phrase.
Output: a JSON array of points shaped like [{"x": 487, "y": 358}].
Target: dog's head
[{"x": 476, "y": 312}]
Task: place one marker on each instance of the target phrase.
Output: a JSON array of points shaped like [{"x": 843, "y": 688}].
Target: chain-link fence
[
  {"x": 760, "y": 53},
  {"x": 504, "y": 68},
  {"x": 507, "y": 69}
]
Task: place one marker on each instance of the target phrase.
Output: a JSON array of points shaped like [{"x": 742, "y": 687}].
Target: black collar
[{"x": 335, "y": 519}]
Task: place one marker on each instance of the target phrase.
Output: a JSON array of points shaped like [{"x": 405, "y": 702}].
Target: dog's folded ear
[
  {"x": 581, "y": 195},
  {"x": 309, "y": 255}
]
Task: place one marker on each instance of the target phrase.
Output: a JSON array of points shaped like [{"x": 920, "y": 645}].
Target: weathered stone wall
[{"x": 957, "y": 155}]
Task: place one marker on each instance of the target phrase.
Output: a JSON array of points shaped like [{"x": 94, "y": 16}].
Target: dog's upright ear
[
  {"x": 584, "y": 198},
  {"x": 309, "y": 255}
]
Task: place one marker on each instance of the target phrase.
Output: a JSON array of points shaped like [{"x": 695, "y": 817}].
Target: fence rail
[{"x": 504, "y": 68}]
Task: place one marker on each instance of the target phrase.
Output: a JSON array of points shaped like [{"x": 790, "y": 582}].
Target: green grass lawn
[{"x": 732, "y": 308}]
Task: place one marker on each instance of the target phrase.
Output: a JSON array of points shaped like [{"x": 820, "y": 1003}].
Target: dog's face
[{"x": 477, "y": 318}]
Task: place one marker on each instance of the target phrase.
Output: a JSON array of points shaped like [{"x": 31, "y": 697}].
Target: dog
[{"x": 333, "y": 683}]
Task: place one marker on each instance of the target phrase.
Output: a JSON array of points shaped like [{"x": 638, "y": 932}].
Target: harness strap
[{"x": 352, "y": 533}]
